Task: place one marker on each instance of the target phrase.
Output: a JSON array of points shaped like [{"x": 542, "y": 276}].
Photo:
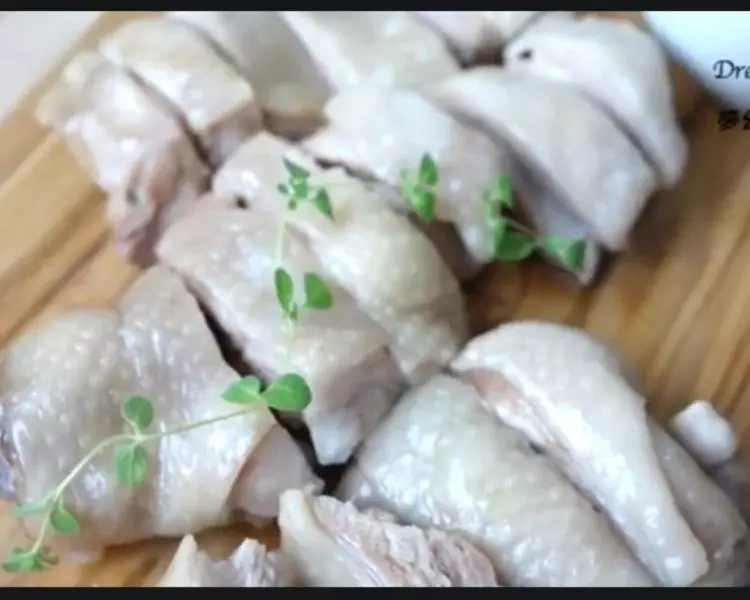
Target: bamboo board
[{"x": 675, "y": 304}]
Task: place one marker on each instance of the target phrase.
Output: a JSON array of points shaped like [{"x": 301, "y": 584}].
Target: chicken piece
[
  {"x": 334, "y": 545},
  {"x": 215, "y": 101},
  {"x": 376, "y": 255},
  {"x": 565, "y": 141},
  {"x": 130, "y": 145},
  {"x": 477, "y": 34},
  {"x": 440, "y": 460},
  {"x": 250, "y": 565},
  {"x": 286, "y": 80},
  {"x": 228, "y": 258},
  {"x": 618, "y": 66},
  {"x": 566, "y": 393},
  {"x": 380, "y": 48},
  {"x": 61, "y": 390}
]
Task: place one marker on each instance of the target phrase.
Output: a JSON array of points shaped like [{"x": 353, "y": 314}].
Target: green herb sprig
[
  {"x": 288, "y": 392},
  {"x": 510, "y": 240},
  {"x": 298, "y": 190}
]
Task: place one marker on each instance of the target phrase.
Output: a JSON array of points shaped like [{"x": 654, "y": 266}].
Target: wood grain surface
[{"x": 676, "y": 303}]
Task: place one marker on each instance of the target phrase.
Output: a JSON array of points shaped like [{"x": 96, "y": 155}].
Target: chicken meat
[
  {"x": 440, "y": 460},
  {"x": 568, "y": 395},
  {"x": 61, "y": 390},
  {"x": 569, "y": 145},
  {"x": 215, "y": 101},
  {"x": 250, "y": 565},
  {"x": 228, "y": 257},
  {"x": 132, "y": 147},
  {"x": 286, "y": 80},
  {"x": 618, "y": 66},
  {"x": 332, "y": 544},
  {"x": 376, "y": 255},
  {"x": 372, "y": 48}
]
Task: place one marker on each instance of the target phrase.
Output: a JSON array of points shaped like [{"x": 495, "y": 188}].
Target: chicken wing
[
  {"x": 215, "y": 101},
  {"x": 61, "y": 390},
  {"x": 228, "y": 258},
  {"x": 439, "y": 460}
]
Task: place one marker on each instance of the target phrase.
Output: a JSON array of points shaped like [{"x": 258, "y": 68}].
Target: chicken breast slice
[
  {"x": 286, "y": 80},
  {"x": 379, "y": 48},
  {"x": 564, "y": 140},
  {"x": 439, "y": 460},
  {"x": 250, "y": 565},
  {"x": 215, "y": 101},
  {"x": 477, "y": 34},
  {"x": 390, "y": 268},
  {"x": 130, "y": 145},
  {"x": 228, "y": 258},
  {"x": 565, "y": 392},
  {"x": 61, "y": 391},
  {"x": 335, "y": 545},
  {"x": 621, "y": 68}
]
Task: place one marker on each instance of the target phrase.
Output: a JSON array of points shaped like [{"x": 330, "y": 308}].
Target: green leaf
[
  {"x": 570, "y": 253},
  {"x": 138, "y": 412},
  {"x": 63, "y": 520},
  {"x": 300, "y": 188},
  {"x": 288, "y": 393},
  {"x": 423, "y": 201},
  {"x": 515, "y": 246},
  {"x": 131, "y": 465},
  {"x": 498, "y": 227},
  {"x": 283, "y": 189},
  {"x": 244, "y": 391},
  {"x": 428, "y": 171},
  {"x": 295, "y": 171},
  {"x": 285, "y": 292},
  {"x": 322, "y": 202},
  {"x": 504, "y": 191},
  {"x": 30, "y": 508},
  {"x": 317, "y": 294},
  {"x": 20, "y": 560}
]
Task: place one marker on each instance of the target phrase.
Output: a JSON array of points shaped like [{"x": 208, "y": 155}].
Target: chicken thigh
[
  {"x": 284, "y": 76},
  {"x": 439, "y": 460},
  {"x": 376, "y": 255},
  {"x": 334, "y": 545},
  {"x": 228, "y": 257},
  {"x": 215, "y": 101},
  {"x": 131, "y": 146},
  {"x": 61, "y": 391}
]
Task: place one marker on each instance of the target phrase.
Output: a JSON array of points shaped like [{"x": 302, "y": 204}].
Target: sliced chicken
[
  {"x": 61, "y": 392},
  {"x": 286, "y": 80},
  {"x": 215, "y": 101},
  {"x": 250, "y": 565},
  {"x": 565, "y": 141},
  {"x": 130, "y": 145},
  {"x": 439, "y": 460},
  {"x": 618, "y": 66},
  {"x": 228, "y": 258},
  {"x": 376, "y": 255},
  {"x": 567, "y": 394},
  {"x": 477, "y": 34},
  {"x": 334, "y": 545},
  {"x": 380, "y": 48}
]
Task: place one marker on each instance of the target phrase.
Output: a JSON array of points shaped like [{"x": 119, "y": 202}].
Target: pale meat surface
[
  {"x": 378, "y": 48},
  {"x": 228, "y": 257},
  {"x": 215, "y": 101},
  {"x": 250, "y": 565},
  {"x": 375, "y": 254},
  {"x": 383, "y": 132},
  {"x": 619, "y": 66},
  {"x": 332, "y": 544},
  {"x": 130, "y": 144},
  {"x": 62, "y": 388},
  {"x": 566, "y": 141},
  {"x": 440, "y": 460},
  {"x": 565, "y": 392},
  {"x": 286, "y": 80}
]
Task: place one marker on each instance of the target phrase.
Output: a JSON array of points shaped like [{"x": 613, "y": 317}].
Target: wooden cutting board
[{"x": 676, "y": 304}]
